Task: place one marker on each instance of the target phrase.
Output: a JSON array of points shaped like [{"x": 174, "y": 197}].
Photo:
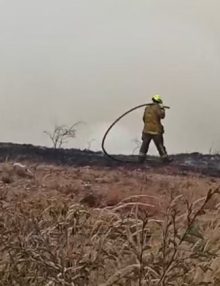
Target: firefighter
[{"x": 153, "y": 129}]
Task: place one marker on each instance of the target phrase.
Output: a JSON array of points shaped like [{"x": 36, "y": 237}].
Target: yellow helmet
[{"x": 157, "y": 98}]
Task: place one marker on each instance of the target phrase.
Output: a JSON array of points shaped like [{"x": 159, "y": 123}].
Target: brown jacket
[{"x": 152, "y": 119}]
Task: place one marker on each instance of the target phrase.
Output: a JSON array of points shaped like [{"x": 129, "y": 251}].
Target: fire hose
[{"x": 113, "y": 124}]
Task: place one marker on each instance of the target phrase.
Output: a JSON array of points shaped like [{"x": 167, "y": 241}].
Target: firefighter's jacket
[{"x": 152, "y": 119}]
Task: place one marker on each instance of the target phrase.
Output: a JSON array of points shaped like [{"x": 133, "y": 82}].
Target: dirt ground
[{"x": 101, "y": 186}]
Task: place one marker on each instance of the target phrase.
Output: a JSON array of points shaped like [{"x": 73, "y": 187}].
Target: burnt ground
[{"x": 208, "y": 165}]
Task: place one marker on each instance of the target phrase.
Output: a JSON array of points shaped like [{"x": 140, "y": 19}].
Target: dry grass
[{"x": 49, "y": 238}]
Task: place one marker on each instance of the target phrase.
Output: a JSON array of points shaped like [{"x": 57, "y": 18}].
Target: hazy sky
[{"x": 67, "y": 60}]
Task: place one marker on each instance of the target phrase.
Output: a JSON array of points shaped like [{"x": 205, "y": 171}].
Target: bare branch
[{"x": 61, "y": 134}]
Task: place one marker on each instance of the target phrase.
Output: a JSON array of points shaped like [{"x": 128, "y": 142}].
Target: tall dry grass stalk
[{"x": 52, "y": 244}]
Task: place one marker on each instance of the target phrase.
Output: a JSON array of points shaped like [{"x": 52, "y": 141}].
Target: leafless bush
[
  {"x": 57, "y": 244},
  {"x": 62, "y": 133}
]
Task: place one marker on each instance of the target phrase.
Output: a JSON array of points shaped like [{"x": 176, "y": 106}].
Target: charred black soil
[{"x": 208, "y": 165}]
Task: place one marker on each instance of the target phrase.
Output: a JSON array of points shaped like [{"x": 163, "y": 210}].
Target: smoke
[{"x": 65, "y": 61}]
